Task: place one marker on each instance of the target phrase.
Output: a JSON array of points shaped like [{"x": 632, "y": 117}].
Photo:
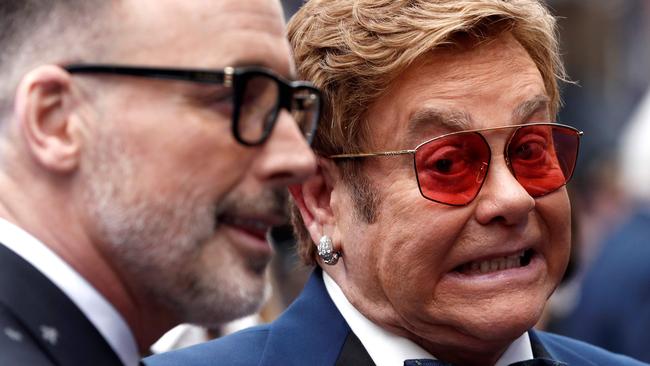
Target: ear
[
  {"x": 313, "y": 198},
  {"x": 43, "y": 110}
]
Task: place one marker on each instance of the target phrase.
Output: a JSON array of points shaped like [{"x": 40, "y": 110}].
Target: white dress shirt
[
  {"x": 387, "y": 349},
  {"x": 92, "y": 304}
]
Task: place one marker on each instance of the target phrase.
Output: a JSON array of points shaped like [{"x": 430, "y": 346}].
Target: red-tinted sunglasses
[{"x": 451, "y": 168}]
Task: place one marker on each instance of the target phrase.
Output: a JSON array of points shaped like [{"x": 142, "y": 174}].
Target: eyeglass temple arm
[
  {"x": 157, "y": 73},
  {"x": 365, "y": 155}
]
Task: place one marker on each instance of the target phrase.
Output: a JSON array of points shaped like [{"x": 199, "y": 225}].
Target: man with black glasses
[{"x": 145, "y": 146}]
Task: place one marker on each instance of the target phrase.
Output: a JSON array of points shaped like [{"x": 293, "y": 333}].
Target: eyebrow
[
  {"x": 458, "y": 121},
  {"x": 445, "y": 119},
  {"x": 289, "y": 75},
  {"x": 526, "y": 109}
]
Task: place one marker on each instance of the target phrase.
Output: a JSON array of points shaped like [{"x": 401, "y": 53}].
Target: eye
[
  {"x": 446, "y": 160},
  {"x": 216, "y": 99},
  {"x": 529, "y": 151},
  {"x": 260, "y": 91},
  {"x": 453, "y": 165},
  {"x": 529, "y": 148},
  {"x": 444, "y": 165}
]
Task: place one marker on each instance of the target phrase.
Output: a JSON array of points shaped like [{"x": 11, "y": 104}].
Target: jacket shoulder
[
  {"x": 16, "y": 344},
  {"x": 243, "y": 348},
  {"x": 578, "y": 353}
]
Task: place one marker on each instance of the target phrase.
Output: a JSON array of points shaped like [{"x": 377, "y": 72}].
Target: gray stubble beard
[{"x": 157, "y": 242}]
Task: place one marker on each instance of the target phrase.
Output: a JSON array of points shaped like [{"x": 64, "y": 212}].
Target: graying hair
[{"x": 34, "y": 32}]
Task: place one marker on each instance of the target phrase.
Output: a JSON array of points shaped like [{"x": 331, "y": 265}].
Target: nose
[
  {"x": 286, "y": 158},
  {"x": 502, "y": 199}
]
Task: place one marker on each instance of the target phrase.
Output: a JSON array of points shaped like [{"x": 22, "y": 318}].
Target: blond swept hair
[{"x": 354, "y": 49}]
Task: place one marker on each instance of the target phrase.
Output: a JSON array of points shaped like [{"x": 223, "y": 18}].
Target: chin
[
  {"x": 478, "y": 337},
  {"x": 504, "y": 323},
  {"x": 222, "y": 286},
  {"x": 220, "y": 301},
  {"x": 486, "y": 324}
]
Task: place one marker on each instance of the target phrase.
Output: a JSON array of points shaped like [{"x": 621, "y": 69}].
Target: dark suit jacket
[
  {"x": 39, "y": 325},
  {"x": 313, "y": 332}
]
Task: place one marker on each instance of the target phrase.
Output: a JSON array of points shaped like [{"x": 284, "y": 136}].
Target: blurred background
[{"x": 605, "y": 298}]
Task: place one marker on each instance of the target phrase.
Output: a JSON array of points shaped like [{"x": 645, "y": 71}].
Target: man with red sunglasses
[
  {"x": 146, "y": 146},
  {"x": 438, "y": 220}
]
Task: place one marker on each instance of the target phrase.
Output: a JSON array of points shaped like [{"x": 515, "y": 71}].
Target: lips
[
  {"x": 496, "y": 263},
  {"x": 253, "y": 224}
]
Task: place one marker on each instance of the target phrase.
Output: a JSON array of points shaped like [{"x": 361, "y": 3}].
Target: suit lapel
[
  {"x": 53, "y": 321},
  {"x": 353, "y": 353},
  {"x": 311, "y": 330},
  {"x": 539, "y": 351}
]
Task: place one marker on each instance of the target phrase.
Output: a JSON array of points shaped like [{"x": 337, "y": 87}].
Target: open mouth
[
  {"x": 484, "y": 266},
  {"x": 255, "y": 227}
]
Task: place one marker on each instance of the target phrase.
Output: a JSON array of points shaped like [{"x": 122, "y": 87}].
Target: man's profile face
[
  {"x": 175, "y": 199},
  {"x": 416, "y": 269}
]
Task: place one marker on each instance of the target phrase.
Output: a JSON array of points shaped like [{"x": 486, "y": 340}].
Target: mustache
[{"x": 267, "y": 203}]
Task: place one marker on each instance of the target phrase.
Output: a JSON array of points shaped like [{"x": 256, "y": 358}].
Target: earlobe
[
  {"x": 43, "y": 110},
  {"x": 313, "y": 199}
]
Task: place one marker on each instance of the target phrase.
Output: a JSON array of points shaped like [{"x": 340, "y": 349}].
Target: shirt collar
[
  {"x": 387, "y": 349},
  {"x": 92, "y": 304}
]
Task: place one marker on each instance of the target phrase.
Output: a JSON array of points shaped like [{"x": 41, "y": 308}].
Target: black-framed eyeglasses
[
  {"x": 258, "y": 95},
  {"x": 451, "y": 168}
]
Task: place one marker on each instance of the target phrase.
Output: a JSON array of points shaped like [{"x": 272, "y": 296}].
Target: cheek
[
  {"x": 169, "y": 163},
  {"x": 419, "y": 236},
  {"x": 555, "y": 214}
]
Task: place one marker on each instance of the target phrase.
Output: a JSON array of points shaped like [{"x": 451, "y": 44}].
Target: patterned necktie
[{"x": 533, "y": 362}]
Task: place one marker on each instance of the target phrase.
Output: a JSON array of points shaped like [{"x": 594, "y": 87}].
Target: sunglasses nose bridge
[
  {"x": 495, "y": 162},
  {"x": 480, "y": 176},
  {"x": 501, "y": 187},
  {"x": 505, "y": 149},
  {"x": 485, "y": 164},
  {"x": 506, "y": 158}
]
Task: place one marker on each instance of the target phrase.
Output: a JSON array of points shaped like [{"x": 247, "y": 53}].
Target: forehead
[
  {"x": 202, "y": 33},
  {"x": 490, "y": 84}
]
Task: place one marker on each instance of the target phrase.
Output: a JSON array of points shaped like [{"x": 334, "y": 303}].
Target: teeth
[
  {"x": 492, "y": 265},
  {"x": 485, "y": 267},
  {"x": 513, "y": 261}
]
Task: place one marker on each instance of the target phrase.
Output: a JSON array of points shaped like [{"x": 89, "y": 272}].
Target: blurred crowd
[{"x": 607, "y": 53}]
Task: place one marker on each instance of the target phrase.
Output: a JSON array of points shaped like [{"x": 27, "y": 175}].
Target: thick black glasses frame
[{"x": 230, "y": 77}]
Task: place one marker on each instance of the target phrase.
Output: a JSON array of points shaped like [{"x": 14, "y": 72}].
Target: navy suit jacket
[
  {"x": 40, "y": 325},
  {"x": 313, "y": 332}
]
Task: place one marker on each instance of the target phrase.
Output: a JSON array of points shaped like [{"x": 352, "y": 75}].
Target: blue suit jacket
[{"x": 313, "y": 332}]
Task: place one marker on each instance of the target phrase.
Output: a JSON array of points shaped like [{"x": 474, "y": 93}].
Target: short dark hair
[{"x": 41, "y": 31}]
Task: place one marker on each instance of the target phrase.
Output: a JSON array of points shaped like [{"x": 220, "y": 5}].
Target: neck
[
  {"x": 464, "y": 350},
  {"x": 54, "y": 221},
  {"x": 459, "y": 349}
]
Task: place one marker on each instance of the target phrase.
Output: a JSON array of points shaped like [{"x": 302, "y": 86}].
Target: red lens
[
  {"x": 542, "y": 157},
  {"x": 451, "y": 169}
]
